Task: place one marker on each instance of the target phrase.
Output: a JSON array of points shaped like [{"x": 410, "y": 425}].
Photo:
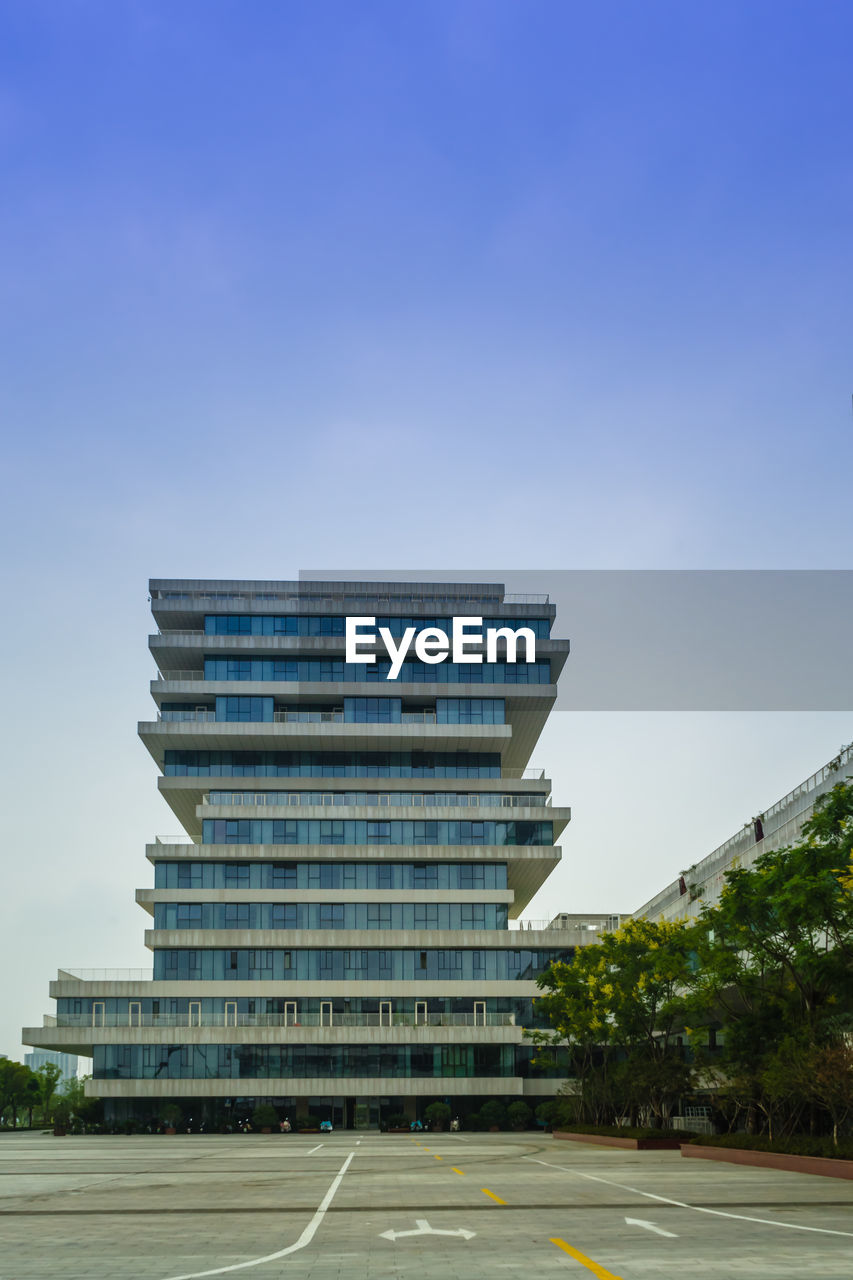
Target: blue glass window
[
  {"x": 241, "y": 624},
  {"x": 330, "y": 875},
  {"x": 332, "y": 764},
  {"x": 244, "y": 709},
  {"x": 321, "y": 669},
  {"x": 358, "y": 832},
  {"x": 469, "y": 710}
]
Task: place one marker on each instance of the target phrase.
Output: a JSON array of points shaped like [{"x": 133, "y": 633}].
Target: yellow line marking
[
  {"x": 438, "y": 1157},
  {"x": 597, "y": 1270},
  {"x": 425, "y": 1148},
  {"x": 459, "y": 1171},
  {"x": 487, "y": 1192}
]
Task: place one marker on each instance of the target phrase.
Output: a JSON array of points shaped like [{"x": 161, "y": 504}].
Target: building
[
  {"x": 779, "y": 826},
  {"x": 67, "y": 1062},
  {"x": 335, "y": 931}
]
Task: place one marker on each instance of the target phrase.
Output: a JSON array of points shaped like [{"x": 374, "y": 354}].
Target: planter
[
  {"x": 822, "y": 1165},
  {"x": 59, "y": 1131},
  {"x": 169, "y": 1129},
  {"x": 627, "y": 1144},
  {"x": 396, "y": 1130}
]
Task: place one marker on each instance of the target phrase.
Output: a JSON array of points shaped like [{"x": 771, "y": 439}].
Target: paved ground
[{"x": 159, "y": 1208}]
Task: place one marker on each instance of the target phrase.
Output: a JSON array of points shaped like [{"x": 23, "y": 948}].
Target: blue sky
[{"x": 362, "y": 284}]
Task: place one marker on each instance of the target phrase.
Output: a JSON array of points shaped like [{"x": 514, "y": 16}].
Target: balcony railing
[
  {"x": 309, "y": 717},
  {"x": 181, "y": 675},
  {"x": 377, "y": 799},
  {"x": 173, "y": 716},
  {"x": 314, "y": 1019},
  {"x": 107, "y": 975},
  {"x": 555, "y": 926}
]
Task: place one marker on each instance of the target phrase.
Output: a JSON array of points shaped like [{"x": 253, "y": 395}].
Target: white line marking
[
  {"x": 650, "y": 1226},
  {"x": 422, "y": 1228},
  {"x": 313, "y": 1149},
  {"x": 680, "y": 1204},
  {"x": 305, "y": 1239}
]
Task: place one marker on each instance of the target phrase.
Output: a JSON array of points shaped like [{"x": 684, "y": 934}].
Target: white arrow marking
[
  {"x": 650, "y": 1226},
  {"x": 422, "y": 1228}
]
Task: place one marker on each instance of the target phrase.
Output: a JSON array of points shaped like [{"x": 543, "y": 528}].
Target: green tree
[
  {"x": 619, "y": 1004},
  {"x": 49, "y": 1076},
  {"x": 437, "y": 1115},
  {"x": 19, "y": 1088},
  {"x": 775, "y": 970}
]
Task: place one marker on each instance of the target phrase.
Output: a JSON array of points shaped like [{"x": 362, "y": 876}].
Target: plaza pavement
[{"x": 320, "y": 1208}]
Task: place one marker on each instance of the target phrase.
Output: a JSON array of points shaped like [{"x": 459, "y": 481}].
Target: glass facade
[
  {"x": 352, "y": 964},
  {"x": 357, "y": 832},
  {"x": 279, "y": 1061},
  {"x": 243, "y": 624},
  {"x": 329, "y": 915},
  {"x": 324, "y": 669},
  {"x": 331, "y": 764},
  {"x": 330, "y": 875}
]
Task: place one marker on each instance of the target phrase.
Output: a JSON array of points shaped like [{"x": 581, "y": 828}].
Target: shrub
[
  {"x": 437, "y": 1115},
  {"x": 518, "y": 1115},
  {"x": 397, "y": 1121},
  {"x": 546, "y": 1113},
  {"x": 493, "y": 1114},
  {"x": 171, "y": 1115},
  {"x": 264, "y": 1116}
]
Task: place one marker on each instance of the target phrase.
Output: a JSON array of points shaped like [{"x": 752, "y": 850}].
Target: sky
[{"x": 369, "y": 284}]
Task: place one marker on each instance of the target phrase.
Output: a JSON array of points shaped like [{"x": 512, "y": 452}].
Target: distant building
[
  {"x": 67, "y": 1062},
  {"x": 775, "y": 828}
]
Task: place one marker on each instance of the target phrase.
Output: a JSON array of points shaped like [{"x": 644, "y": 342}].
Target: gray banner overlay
[{"x": 684, "y": 640}]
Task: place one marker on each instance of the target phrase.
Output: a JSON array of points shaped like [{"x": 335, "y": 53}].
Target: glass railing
[
  {"x": 179, "y": 716},
  {"x": 308, "y": 717},
  {"x": 555, "y": 923},
  {"x": 107, "y": 975},
  {"x": 312, "y": 1019},
  {"x": 379, "y": 799}
]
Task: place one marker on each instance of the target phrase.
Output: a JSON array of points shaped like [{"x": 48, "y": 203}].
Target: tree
[
  {"x": 49, "y": 1076},
  {"x": 775, "y": 969},
  {"x": 18, "y": 1088},
  {"x": 619, "y": 1005},
  {"x": 437, "y": 1115}
]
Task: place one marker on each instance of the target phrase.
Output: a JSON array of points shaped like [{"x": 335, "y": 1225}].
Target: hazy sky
[{"x": 368, "y": 284}]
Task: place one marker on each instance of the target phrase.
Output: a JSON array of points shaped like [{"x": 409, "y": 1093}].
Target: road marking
[
  {"x": 594, "y": 1267},
  {"x": 313, "y": 1149},
  {"x": 438, "y": 1157},
  {"x": 305, "y": 1239},
  {"x": 487, "y": 1192},
  {"x": 680, "y": 1204},
  {"x": 650, "y": 1226},
  {"x": 422, "y": 1228},
  {"x": 459, "y": 1171}
]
